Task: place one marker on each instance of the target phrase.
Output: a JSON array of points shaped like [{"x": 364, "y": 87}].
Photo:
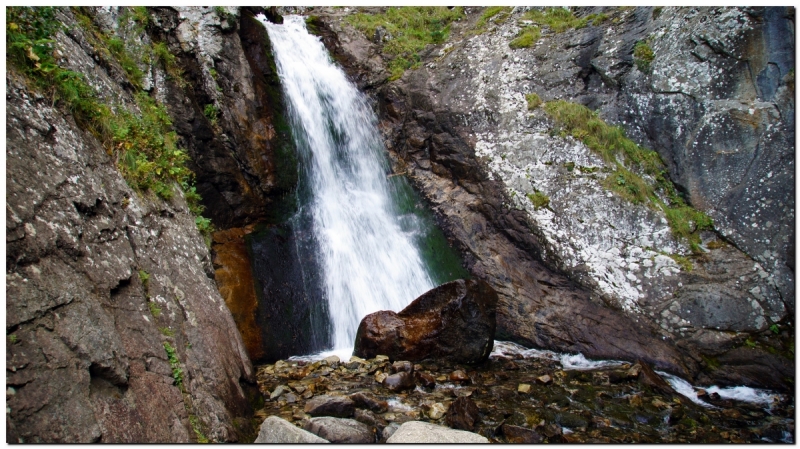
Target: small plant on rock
[
  {"x": 539, "y": 200},
  {"x": 642, "y": 56},
  {"x": 533, "y": 101}
]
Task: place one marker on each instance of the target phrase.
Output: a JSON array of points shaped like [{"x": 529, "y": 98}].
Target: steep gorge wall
[
  {"x": 592, "y": 272},
  {"x": 116, "y": 330}
]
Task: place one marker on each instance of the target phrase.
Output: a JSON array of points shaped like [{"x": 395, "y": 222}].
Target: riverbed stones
[
  {"x": 455, "y": 321},
  {"x": 399, "y": 381},
  {"x": 325, "y": 405},
  {"x": 340, "y": 430},
  {"x": 421, "y": 432},
  {"x": 518, "y": 434},
  {"x": 275, "y": 430}
]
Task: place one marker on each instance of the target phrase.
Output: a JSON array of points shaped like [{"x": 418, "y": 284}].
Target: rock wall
[
  {"x": 115, "y": 329},
  {"x": 591, "y": 272}
]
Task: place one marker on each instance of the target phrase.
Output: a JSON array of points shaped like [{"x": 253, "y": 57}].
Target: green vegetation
[
  {"x": 526, "y": 38},
  {"x": 657, "y": 11},
  {"x": 412, "y": 28},
  {"x": 169, "y": 62},
  {"x": 12, "y": 338},
  {"x": 195, "y": 422},
  {"x": 533, "y": 101},
  {"x": 145, "y": 278},
  {"x": 539, "y": 200},
  {"x": 494, "y": 14},
  {"x": 775, "y": 329},
  {"x": 166, "y": 331},
  {"x": 175, "y": 364},
  {"x": 610, "y": 143},
  {"x": 642, "y": 56},
  {"x": 211, "y": 111},
  {"x": 143, "y": 144},
  {"x": 682, "y": 262},
  {"x": 154, "y": 309},
  {"x": 205, "y": 227}
]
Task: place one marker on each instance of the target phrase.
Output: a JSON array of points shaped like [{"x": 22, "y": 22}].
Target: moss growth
[
  {"x": 642, "y": 56},
  {"x": 611, "y": 144},
  {"x": 412, "y": 28},
  {"x": 539, "y": 200},
  {"x": 211, "y": 111},
  {"x": 198, "y": 433},
  {"x": 533, "y": 101},
  {"x": 166, "y": 331},
  {"x": 526, "y": 38}
]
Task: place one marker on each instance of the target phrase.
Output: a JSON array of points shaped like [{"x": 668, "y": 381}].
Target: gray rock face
[
  {"x": 421, "y": 432},
  {"x": 88, "y": 360},
  {"x": 340, "y": 430},
  {"x": 590, "y": 271},
  {"x": 275, "y": 430}
]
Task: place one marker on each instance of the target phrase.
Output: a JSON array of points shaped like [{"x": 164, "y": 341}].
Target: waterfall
[{"x": 367, "y": 247}]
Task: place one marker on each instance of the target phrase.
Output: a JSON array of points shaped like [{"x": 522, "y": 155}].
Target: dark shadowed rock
[
  {"x": 753, "y": 366},
  {"x": 462, "y": 414},
  {"x": 275, "y": 430},
  {"x": 340, "y": 430},
  {"x": 425, "y": 379},
  {"x": 517, "y": 434},
  {"x": 368, "y": 401},
  {"x": 325, "y": 405},
  {"x": 455, "y": 321}
]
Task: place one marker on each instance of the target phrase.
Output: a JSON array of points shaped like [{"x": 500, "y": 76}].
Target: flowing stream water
[{"x": 368, "y": 246}]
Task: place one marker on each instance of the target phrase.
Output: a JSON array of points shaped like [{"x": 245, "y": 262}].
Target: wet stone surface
[{"x": 522, "y": 400}]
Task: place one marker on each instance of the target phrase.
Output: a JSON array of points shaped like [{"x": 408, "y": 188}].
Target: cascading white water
[{"x": 369, "y": 260}]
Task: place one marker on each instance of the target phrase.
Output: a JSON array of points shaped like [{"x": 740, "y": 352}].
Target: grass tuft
[
  {"x": 642, "y": 56},
  {"x": 526, "y": 38},
  {"x": 494, "y": 14},
  {"x": 533, "y": 101},
  {"x": 539, "y": 200}
]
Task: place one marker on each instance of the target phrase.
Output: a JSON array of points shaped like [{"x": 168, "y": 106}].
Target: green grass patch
[
  {"x": 526, "y": 38},
  {"x": 412, "y": 28},
  {"x": 626, "y": 156},
  {"x": 643, "y": 56},
  {"x": 533, "y": 101},
  {"x": 211, "y": 111},
  {"x": 493, "y": 14},
  {"x": 539, "y": 200},
  {"x": 166, "y": 331},
  {"x": 557, "y": 19}
]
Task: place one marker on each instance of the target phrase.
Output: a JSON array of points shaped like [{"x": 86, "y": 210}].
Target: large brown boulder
[{"x": 455, "y": 321}]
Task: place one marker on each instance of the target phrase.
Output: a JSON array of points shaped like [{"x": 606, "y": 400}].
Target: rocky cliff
[
  {"x": 116, "y": 330},
  {"x": 554, "y": 224}
]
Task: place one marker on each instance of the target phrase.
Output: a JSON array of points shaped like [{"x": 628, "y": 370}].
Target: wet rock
[
  {"x": 517, "y": 434},
  {"x": 399, "y": 381},
  {"x": 437, "y": 410},
  {"x": 650, "y": 378},
  {"x": 420, "y": 432},
  {"x": 424, "y": 379},
  {"x": 389, "y": 430},
  {"x": 455, "y": 321},
  {"x": 275, "y": 430},
  {"x": 369, "y": 418},
  {"x": 325, "y": 405},
  {"x": 462, "y": 414},
  {"x": 279, "y": 390},
  {"x": 332, "y": 360},
  {"x": 340, "y": 430},
  {"x": 544, "y": 380},
  {"x": 368, "y": 401},
  {"x": 403, "y": 366},
  {"x": 458, "y": 376}
]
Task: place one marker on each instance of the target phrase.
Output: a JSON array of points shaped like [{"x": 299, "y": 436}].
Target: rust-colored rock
[
  {"x": 235, "y": 283},
  {"x": 462, "y": 414},
  {"x": 455, "y": 321}
]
